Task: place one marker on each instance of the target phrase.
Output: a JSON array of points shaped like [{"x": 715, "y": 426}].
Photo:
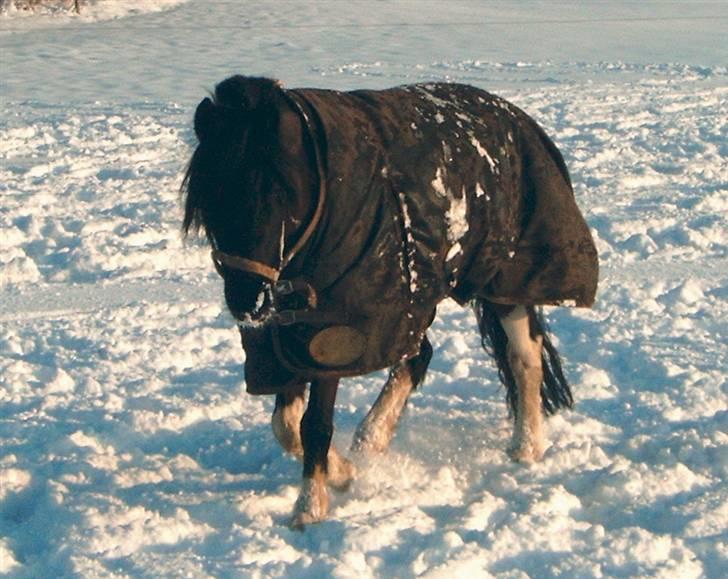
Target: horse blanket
[{"x": 433, "y": 191}]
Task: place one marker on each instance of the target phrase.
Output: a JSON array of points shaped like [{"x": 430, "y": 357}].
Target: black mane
[{"x": 234, "y": 132}]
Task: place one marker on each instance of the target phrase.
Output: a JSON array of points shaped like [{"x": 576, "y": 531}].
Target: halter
[{"x": 272, "y": 274}]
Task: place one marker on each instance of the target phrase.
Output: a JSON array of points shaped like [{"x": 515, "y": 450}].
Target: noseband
[
  {"x": 221, "y": 259},
  {"x": 272, "y": 274}
]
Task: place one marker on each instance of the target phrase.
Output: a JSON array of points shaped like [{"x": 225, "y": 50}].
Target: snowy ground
[
  {"x": 127, "y": 444},
  {"x": 48, "y": 14}
]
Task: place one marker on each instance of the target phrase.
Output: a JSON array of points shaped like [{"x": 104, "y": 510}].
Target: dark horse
[{"x": 338, "y": 221}]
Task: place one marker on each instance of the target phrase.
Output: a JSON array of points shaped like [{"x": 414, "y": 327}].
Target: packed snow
[
  {"x": 25, "y": 15},
  {"x": 128, "y": 446}
]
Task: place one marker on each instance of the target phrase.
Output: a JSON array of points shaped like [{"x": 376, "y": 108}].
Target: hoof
[
  {"x": 299, "y": 521},
  {"x": 526, "y": 453},
  {"x": 312, "y": 504}
]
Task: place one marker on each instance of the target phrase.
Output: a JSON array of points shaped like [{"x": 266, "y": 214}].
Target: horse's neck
[
  {"x": 295, "y": 165},
  {"x": 351, "y": 207}
]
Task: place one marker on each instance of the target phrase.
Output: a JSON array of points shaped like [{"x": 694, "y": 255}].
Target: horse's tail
[
  {"x": 555, "y": 389},
  {"x": 418, "y": 365}
]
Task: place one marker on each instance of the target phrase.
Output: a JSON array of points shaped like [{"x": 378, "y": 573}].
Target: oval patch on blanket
[{"x": 337, "y": 346}]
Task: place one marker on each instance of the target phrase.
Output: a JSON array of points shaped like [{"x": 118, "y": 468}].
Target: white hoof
[
  {"x": 526, "y": 452},
  {"x": 312, "y": 505}
]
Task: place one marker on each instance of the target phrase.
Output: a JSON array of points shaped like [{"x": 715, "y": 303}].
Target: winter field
[{"x": 128, "y": 447}]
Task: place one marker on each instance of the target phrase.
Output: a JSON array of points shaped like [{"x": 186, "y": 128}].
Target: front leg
[
  {"x": 317, "y": 428},
  {"x": 286, "y": 423},
  {"x": 286, "y": 420}
]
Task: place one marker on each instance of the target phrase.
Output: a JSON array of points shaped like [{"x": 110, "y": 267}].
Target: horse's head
[{"x": 250, "y": 187}]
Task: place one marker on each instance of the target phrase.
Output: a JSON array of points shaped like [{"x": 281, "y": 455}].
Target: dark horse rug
[{"x": 427, "y": 191}]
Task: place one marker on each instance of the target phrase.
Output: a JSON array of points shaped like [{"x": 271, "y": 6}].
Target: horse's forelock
[
  {"x": 237, "y": 103},
  {"x": 247, "y": 93}
]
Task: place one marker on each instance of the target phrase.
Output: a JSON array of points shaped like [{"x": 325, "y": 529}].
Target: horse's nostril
[{"x": 250, "y": 308}]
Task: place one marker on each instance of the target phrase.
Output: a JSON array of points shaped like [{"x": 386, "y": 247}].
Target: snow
[
  {"x": 438, "y": 184},
  {"x": 407, "y": 259},
  {"x": 128, "y": 446},
  {"x": 457, "y": 217},
  {"x": 48, "y": 15},
  {"x": 454, "y": 250},
  {"x": 483, "y": 152}
]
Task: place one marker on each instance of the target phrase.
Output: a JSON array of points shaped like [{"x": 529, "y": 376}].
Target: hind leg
[
  {"x": 286, "y": 423},
  {"x": 377, "y": 429},
  {"x": 524, "y": 358}
]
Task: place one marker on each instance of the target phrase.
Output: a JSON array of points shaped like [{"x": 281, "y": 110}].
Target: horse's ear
[{"x": 209, "y": 121}]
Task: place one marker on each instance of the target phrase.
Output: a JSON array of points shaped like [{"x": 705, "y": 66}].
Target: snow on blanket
[{"x": 128, "y": 446}]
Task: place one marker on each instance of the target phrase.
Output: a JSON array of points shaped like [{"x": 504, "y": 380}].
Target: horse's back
[
  {"x": 478, "y": 195},
  {"x": 477, "y": 173}
]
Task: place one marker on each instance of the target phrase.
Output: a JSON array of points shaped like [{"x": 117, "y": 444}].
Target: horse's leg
[
  {"x": 524, "y": 357},
  {"x": 377, "y": 429},
  {"x": 286, "y": 422},
  {"x": 317, "y": 428},
  {"x": 529, "y": 367}
]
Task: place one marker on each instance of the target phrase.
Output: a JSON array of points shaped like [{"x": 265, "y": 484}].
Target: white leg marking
[
  {"x": 286, "y": 423},
  {"x": 313, "y": 502},
  {"x": 377, "y": 429},
  {"x": 524, "y": 357}
]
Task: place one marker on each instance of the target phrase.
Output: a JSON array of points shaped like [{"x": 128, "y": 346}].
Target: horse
[{"x": 339, "y": 220}]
